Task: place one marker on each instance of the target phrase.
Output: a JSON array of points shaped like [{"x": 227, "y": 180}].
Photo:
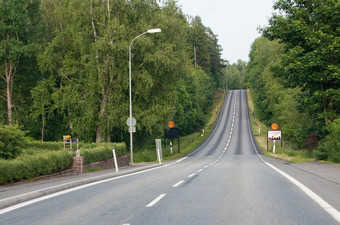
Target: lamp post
[{"x": 151, "y": 31}]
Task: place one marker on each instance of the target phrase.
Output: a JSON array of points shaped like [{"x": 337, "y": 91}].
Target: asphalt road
[{"x": 225, "y": 181}]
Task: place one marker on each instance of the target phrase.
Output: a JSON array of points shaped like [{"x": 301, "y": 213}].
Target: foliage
[
  {"x": 30, "y": 166},
  {"x": 20, "y": 30},
  {"x": 71, "y": 68},
  {"x": 311, "y": 36},
  {"x": 330, "y": 148},
  {"x": 12, "y": 139},
  {"x": 274, "y": 102},
  {"x": 101, "y": 152},
  {"x": 43, "y": 158}
]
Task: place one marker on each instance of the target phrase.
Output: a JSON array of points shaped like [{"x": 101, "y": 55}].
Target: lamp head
[{"x": 156, "y": 30}]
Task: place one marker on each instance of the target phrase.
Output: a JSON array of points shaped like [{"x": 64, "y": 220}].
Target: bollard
[
  {"x": 115, "y": 159},
  {"x": 171, "y": 147},
  {"x": 159, "y": 156}
]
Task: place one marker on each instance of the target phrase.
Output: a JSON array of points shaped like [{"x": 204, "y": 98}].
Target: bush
[
  {"x": 12, "y": 139},
  {"x": 101, "y": 152},
  {"x": 331, "y": 146},
  {"x": 42, "y": 158},
  {"x": 30, "y": 166}
]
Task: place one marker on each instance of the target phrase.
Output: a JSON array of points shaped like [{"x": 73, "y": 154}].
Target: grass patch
[
  {"x": 93, "y": 169},
  {"x": 187, "y": 143},
  {"x": 281, "y": 152}
]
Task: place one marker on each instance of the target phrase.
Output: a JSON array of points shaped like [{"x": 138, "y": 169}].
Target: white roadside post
[
  {"x": 274, "y": 147},
  {"x": 115, "y": 159},
  {"x": 171, "y": 147},
  {"x": 159, "y": 156}
]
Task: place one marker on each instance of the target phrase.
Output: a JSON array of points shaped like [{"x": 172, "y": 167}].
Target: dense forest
[
  {"x": 64, "y": 68},
  {"x": 294, "y": 73}
]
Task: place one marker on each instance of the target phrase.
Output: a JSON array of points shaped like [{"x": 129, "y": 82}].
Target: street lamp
[{"x": 132, "y": 122}]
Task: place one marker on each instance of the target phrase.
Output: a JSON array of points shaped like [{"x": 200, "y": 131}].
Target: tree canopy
[{"x": 79, "y": 70}]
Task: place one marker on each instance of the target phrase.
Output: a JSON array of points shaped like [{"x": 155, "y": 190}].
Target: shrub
[
  {"x": 12, "y": 139},
  {"x": 331, "y": 145},
  {"x": 101, "y": 152},
  {"x": 30, "y": 166}
]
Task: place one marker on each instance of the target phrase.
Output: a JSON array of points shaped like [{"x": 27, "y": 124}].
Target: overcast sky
[{"x": 234, "y": 21}]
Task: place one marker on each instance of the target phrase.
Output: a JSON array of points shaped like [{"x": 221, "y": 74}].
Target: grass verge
[
  {"x": 187, "y": 143},
  {"x": 281, "y": 152}
]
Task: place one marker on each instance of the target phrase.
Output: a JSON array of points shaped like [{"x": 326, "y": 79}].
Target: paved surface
[
  {"x": 23, "y": 191},
  {"x": 223, "y": 182},
  {"x": 326, "y": 171}
]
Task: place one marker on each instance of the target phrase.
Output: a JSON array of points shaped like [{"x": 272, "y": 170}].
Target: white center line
[
  {"x": 200, "y": 170},
  {"x": 177, "y": 184},
  {"x": 191, "y": 175},
  {"x": 155, "y": 200}
]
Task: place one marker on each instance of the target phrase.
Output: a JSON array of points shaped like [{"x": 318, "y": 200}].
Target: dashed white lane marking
[
  {"x": 155, "y": 200},
  {"x": 178, "y": 183},
  {"x": 191, "y": 175},
  {"x": 200, "y": 170}
]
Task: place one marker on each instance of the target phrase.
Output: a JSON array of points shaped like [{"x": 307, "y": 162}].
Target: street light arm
[{"x": 151, "y": 31}]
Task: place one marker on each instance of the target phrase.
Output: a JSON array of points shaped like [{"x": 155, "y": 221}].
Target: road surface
[{"x": 225, "y": 181}]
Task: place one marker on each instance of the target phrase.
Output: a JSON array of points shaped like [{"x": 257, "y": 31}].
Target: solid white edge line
[
  {"x": 155, "y": 200},
  {"x": 20, "y": 205},
  {"x": 327, "y": 207},
  {"x": 178, "y": 183},
  {"x": 323, "y": 204}
]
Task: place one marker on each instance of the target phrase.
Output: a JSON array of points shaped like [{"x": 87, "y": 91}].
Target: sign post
[{"x": 273, "y": 136}]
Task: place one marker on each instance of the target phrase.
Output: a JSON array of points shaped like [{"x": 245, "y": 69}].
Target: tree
[
  {"x": 18, "y": 24},
  {"x": 311, "y": 34}
]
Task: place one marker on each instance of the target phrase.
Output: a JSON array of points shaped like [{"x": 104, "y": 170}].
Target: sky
[{"x": 235, "y": 22}]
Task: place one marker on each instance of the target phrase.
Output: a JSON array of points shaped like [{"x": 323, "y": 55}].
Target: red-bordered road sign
[
  {"x": 171, "y": 124},
  {"x": 275, "y": 126}
]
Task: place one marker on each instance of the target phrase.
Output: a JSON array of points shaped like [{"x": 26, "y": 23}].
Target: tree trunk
[
  {"x": 324, "y": 103},
  {"x": 9, "y": 72},
  {"x": 42, "y": 126}
]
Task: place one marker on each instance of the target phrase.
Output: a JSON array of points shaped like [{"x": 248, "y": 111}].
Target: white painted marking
[
  {"x": 327, "y": 207},
  {"x": 155, "y": 200},
  {"x": 180, "y": 160},
  {"x": 191, "y": 175},
  {"x": 323, "y": 204},
  {"x": 20, "y": 205},
  {"x": 179, "y": 183},
  {"x": 200, "y": 170},
  {"x": 206, "y": 167}
]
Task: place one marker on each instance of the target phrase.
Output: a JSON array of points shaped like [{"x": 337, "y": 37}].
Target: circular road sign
[
  {"x": 133, "y": 122},
  {"x": 171, "y": 124},
  {"x": 275, "y": 126}
]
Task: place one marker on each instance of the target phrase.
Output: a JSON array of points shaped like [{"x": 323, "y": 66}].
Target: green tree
[
  {"x": 330, "y": 148},
  {"x": 19, "y": 26},
  {"x": 12, "y": 139},
  {"x": 311, "y": 34}
]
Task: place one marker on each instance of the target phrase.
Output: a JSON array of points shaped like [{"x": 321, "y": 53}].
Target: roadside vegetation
[{"x": 293, "y": 76}]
